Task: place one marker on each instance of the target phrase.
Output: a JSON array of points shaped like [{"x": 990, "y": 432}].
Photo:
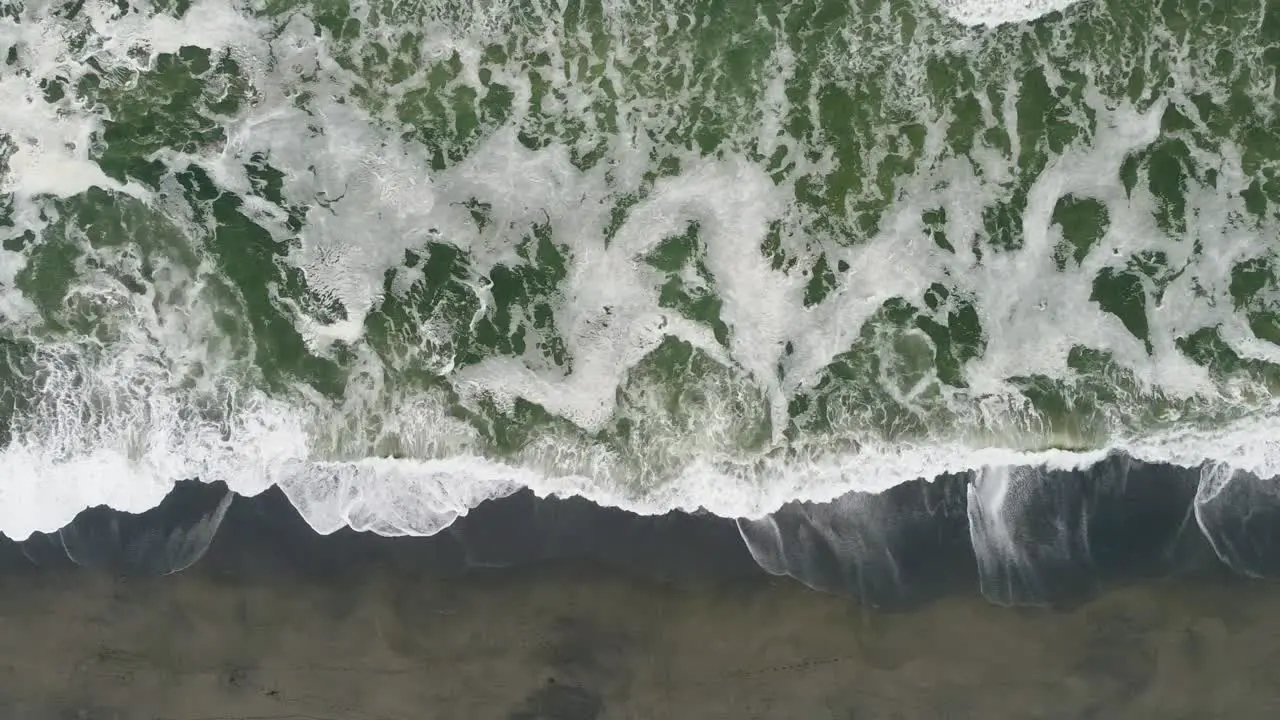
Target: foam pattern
[{"x": 410, "y": 257}]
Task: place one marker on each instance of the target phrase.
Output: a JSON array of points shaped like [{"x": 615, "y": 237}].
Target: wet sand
[
  {"x": 596, "y": 615},
  {"x": 575, "y": 643}
]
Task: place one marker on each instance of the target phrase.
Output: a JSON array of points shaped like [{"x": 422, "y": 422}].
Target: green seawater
[{"x": 634, "y": 243}]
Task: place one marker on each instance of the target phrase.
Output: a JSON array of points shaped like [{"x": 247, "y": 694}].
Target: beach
[
  {"x": 278, "y": 622},
  {"x": 441, "y": 359}
]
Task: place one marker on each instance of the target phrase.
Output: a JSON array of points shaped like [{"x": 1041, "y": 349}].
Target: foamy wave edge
[
  {"x": 991, "y": 13},
  {"x": 417, "y": 497}
]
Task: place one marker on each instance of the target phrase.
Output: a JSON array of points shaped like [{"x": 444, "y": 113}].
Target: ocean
[{"x": 979, "y": 286}]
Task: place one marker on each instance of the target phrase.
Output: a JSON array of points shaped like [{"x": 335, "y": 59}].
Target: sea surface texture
[{"x": 398, "y": 257}]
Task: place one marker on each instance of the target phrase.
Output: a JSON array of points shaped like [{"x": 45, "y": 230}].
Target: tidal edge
[{"x": 1025, "y": 537}]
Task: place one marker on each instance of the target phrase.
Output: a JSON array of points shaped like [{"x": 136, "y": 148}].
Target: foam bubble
[{"x": 991, "y": 13}]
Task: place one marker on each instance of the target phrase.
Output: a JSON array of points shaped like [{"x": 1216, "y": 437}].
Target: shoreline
[
  {"x": 542, "y": 609},
  {"x": 1028, "y": 537},
  {"x": 278, "y": 622}
]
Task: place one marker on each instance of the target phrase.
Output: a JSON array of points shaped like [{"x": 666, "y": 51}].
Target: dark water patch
[
  {"x": 264, "y": 537},
  {"x": 1047, "y": 537},
  {"x": 1239, "y": 514},
  {"x": 893, "y": 549},
  {"x": 524, "y": 529},
  {"x": 1021, "y": 536},
  {"x": 165, "y": 539}
]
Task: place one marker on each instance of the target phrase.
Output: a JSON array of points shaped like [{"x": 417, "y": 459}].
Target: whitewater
[{"x": 399, "y": 258}]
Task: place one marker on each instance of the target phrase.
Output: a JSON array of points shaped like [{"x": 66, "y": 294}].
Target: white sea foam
[
  {"x": 47, "y": 484},
  {"x": 991, "y": 13},
  {"x": 50, "y": 143},
  {"x": 170, "y": 395}
]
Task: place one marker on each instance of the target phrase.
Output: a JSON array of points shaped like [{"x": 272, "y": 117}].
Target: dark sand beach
[
  {"x": 597, "y": 615},
  {"x": 713, "y": 257}
]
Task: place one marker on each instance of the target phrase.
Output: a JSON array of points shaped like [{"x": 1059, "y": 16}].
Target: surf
[{"x": 404, "y": 259}]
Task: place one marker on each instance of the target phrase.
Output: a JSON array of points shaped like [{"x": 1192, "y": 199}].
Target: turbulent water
[{"x": 398, "y": 257}]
